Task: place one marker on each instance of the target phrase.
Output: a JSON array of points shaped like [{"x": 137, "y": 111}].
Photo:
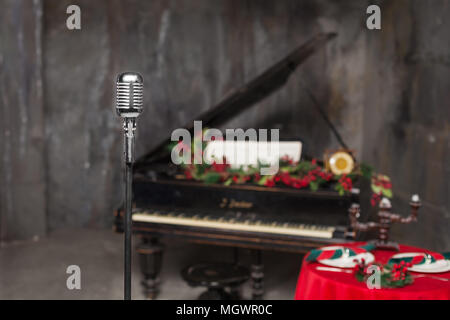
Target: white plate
[
  {"x": 433, "y": 267},
  {"x": 346, "y": 261}
]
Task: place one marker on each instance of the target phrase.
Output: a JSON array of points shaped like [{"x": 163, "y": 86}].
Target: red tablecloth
[{"x": 313, "y": 284}]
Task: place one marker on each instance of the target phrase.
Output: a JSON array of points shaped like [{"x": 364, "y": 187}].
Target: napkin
[
  {"x": 420, "y": 259},
  {"x": 322, "y": 254}
]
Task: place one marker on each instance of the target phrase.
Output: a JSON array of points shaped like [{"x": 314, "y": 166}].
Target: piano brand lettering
[
  {"x": 73, "y": 22},
  {"x": 235, "y": 204},
  {"x": 374, "y": 20},
  {"x": 74, "y": 280},
  {"x": 250, "y": 145}
]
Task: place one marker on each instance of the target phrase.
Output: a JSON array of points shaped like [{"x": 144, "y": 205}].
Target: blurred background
[{"x": 387, "y": 91}]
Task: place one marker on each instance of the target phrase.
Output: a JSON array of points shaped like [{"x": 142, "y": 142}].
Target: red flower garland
[{"x": 292, "y": 174}]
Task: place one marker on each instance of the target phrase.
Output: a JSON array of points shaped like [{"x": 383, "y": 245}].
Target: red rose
[
  {"x": 269, "y": 183},
  {"x": 296, "y": 185},
  {"x": 387, "y": 185},
  {"x": 286, "y": 178},
  {"x": 304, "y": 182}
]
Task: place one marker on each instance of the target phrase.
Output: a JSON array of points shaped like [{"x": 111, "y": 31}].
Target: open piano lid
[{"x": 246, "y": 96}]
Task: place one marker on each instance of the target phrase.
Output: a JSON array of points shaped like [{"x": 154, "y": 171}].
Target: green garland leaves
[
  {"x": 391, "y": 275},
  {"x": 298, "y": 175}
]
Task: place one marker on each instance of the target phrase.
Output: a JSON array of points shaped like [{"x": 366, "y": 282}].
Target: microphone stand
[
  {"x": 129, "y": 96},
  {"x": 129, "y": 126}
]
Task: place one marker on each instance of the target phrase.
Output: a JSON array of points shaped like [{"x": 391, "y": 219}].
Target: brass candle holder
[{"x": 385, "y": 219}]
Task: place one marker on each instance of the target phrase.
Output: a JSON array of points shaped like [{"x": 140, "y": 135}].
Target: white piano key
[{"x": 220, "y": 223}]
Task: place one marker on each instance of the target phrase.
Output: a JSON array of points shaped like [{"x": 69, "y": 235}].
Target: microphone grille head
[{"x": 129, "y": 94}]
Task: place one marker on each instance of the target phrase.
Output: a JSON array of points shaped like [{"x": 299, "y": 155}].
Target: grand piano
[{"x": 239, "y": 216}]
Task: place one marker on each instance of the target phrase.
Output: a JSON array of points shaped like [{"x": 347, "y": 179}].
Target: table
[{"x": 313, "y": 284}]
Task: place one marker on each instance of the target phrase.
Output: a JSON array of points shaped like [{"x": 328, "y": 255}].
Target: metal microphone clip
[{"x": 129, "y": 125}]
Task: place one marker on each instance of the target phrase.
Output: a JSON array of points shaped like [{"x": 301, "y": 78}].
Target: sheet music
[{"x": 246, "y": 153}]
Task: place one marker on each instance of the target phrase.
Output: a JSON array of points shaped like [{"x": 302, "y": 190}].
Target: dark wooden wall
[
  {"x": 385, "y": 90},
  {"x": 22, "y": 143},
  {"x": 407, "y": 114}
]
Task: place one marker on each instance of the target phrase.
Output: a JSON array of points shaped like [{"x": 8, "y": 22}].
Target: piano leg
[
  {"x": 150, "y": 258},
  {"x": 257, "y": 275}
]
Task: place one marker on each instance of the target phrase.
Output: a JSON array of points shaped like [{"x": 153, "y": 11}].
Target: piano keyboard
[{"x": 302, "y": 230}]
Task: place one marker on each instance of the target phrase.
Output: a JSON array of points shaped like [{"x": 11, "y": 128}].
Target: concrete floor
[{"x": 37, "y": 269}]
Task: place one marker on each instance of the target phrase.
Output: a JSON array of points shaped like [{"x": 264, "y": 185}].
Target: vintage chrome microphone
[{"x": 129, "y": 102}]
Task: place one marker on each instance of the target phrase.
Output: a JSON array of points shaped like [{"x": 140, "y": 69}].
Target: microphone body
[
  {"x": 129, "y": 95},
  {"x": 129, "y": 101}
]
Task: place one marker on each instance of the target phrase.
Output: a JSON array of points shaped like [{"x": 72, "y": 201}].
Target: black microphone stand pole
[
  {"x": 130, "y": 126},
  {"x": 129, "y": 98}
]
